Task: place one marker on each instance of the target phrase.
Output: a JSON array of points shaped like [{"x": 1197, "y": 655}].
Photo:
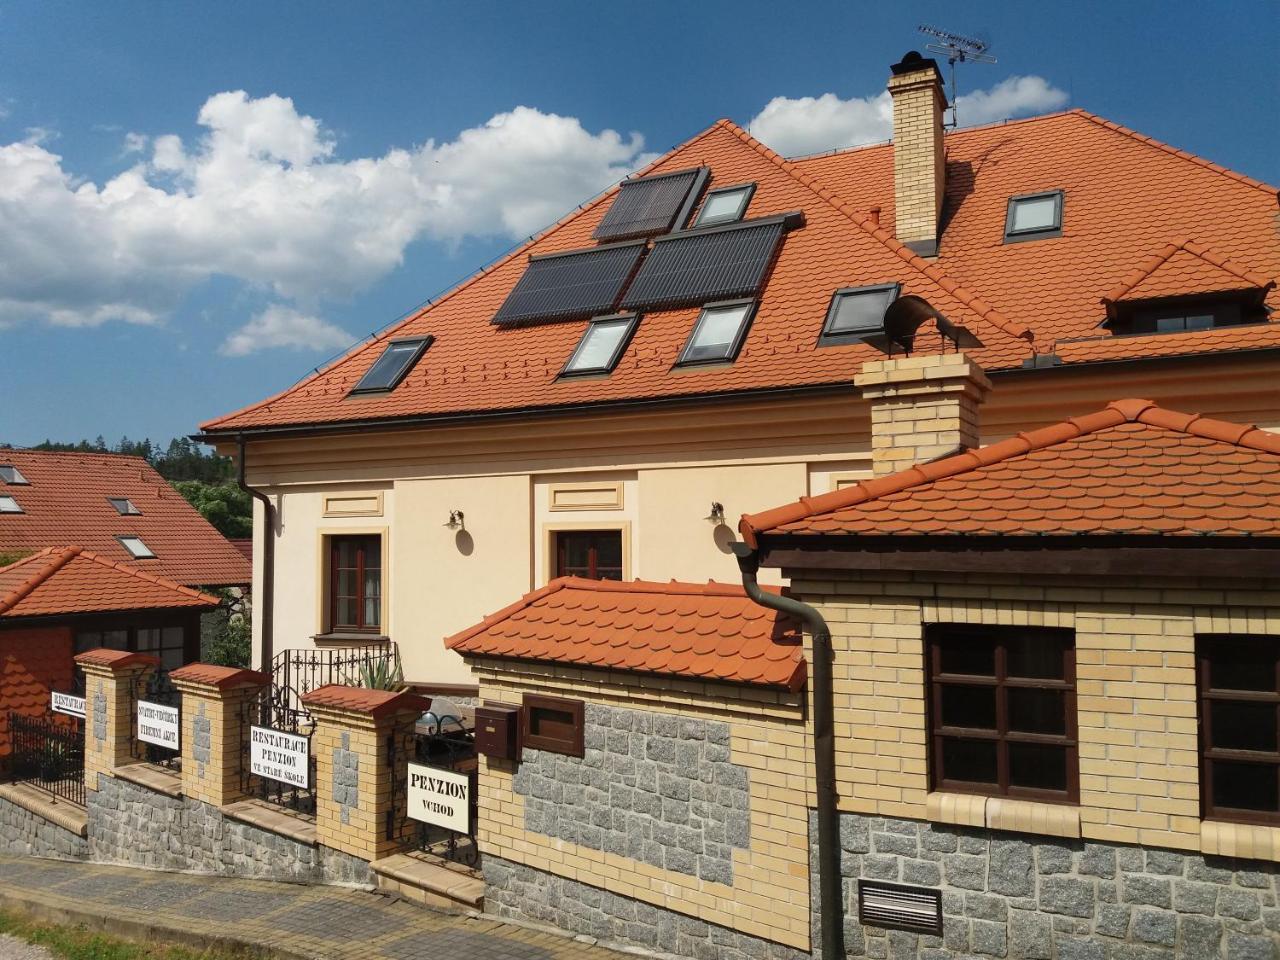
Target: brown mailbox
[{"x": 498, "y": 731}]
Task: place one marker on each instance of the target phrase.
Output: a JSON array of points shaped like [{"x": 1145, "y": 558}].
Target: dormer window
[
  {"x": 725, "y": 205},
  {"x": 137, "y": 549},
  {"x": 719, "y": 332},
  {"x": 11, "y": 474},
  {"x": 601, "y": 345},
  {"x": 1180, "y": 315},
  {"x": 9, "y": 505},
  {"x": 1034, "y": 216},
  {"x": 124, "y": 506},
  {"x": 393, "y": 366},
  {"x": 857, "y": 312}
]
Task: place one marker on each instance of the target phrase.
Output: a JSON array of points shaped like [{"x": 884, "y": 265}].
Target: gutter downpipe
[
  {"x": 268, "y": 560},
  {"x": 830, "y": 898}
]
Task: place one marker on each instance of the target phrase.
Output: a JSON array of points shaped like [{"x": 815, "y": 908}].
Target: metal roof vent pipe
[{"x": 919, "y": 167}]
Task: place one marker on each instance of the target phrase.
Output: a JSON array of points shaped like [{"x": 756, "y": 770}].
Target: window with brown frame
[
  {"x": 355, "y": 583},
  {"x": 1002, "y": 711},
  {"x": 594, "y": 554},
  {"x": 1239, "y": 685},
  {"x": 553, "y": 724}
]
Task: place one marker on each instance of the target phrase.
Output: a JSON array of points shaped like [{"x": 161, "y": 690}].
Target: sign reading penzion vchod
[
  {"x": 158, "y": 724},
  {"x": 276, "y": 755},
  {"x": 67, "y": 703},
  {"x": 440, "y": 797}
]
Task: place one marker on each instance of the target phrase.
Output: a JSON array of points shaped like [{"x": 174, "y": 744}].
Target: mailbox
[{"x": 498, "y": 731}]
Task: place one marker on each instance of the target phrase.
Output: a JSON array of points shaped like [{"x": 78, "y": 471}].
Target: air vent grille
[{"x": 917, "y": 909}]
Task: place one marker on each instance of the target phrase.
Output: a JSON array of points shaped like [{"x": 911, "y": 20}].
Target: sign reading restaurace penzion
[
  {"x": 440, "y": 797},
  {"x": 158, "y": 724},
  {"x": 67, "y": 703},
  {"x": 281, "y": 756}
]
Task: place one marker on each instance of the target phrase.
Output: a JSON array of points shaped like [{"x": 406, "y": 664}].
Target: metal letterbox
[{"x": 498, "y": 731}]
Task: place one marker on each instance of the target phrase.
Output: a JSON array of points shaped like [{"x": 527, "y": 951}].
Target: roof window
[
  {"x": 652, "y": 205},
  {"x": 11, "y": 474},
  {"x": 124, "y": 506},
  {"x": 725, "y": 205},
  {"x": 9, "y": 505},
  {"x": 856, "y": 312},
  {"x": 572, "y": 285},
  {"x": 1180, "y": 315},
  {"x": 394, "y": 364},
  {"x": 137, "y": 549},
  {"x": 719, "y": 332},
  {"x": 1034, "y": 216},
  {"x": 601, "y": 345}
]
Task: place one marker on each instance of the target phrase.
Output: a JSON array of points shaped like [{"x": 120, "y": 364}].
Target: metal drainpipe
[
  {"x": 830, "y": 898},
  {"x": 268, "y": 561}
]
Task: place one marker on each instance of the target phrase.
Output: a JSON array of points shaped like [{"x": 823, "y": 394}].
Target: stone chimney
[
  {"x": 922, "y": 408},
  {"x": 918, "y": 163}
]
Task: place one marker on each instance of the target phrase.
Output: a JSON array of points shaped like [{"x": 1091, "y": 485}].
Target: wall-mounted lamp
[
  {"x": 455, "y": 520},
  {"x": 717, "y": 512}
]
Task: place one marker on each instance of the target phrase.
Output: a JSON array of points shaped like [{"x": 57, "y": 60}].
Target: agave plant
[{"x": 381, "y": 673}]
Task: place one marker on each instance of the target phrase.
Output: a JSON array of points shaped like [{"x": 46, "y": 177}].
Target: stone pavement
[{"x": 289, "y": 920}]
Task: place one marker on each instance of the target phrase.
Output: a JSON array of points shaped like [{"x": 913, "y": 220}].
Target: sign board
[
  {"x": 281, "y": 756},
  {"x": 440, "y": 797},
  {"x": 158, "y": 724},
  {"x": 67, "y": 703}
]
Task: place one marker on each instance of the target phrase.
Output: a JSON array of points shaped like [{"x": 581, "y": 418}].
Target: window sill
[
  {"x": 1246, "y": 840},
  {"x": 340, "y": 639},
  {"x": 1003, "y": 813}
]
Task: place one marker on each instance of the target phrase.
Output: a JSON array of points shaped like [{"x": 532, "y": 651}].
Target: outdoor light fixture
[
  {"x": 717, "y": 512},
  {"x": 455, "y": 520}
]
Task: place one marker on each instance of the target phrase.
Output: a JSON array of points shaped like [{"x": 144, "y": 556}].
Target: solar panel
[
  {"x": 698, "y": 266},
  {"x": 566, "y": 286},
  {"x": 652, "y": 205}
]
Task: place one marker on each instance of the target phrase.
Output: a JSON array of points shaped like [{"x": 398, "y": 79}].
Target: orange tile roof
[
  {"x": 212, "y": 675},
  {"x": 1185, "y": 268},
  {"x": 66, "y": 502},
  {"x": 116, "y": 659},
  {"x": 1130, "y": 468},
  {"x": 375, "y": 703},
  {"x": 1126, "y": 195},
  {"x": 706, "y": 631},
  {"x": 73, "y": 580}
]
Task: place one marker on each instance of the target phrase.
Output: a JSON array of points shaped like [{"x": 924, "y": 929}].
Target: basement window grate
[{"x": 899, "y": 907}]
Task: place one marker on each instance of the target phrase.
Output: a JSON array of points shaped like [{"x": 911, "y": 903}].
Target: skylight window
[
  {"x": 719, "y": 332},
  {"x": 9, "y": 505},
  {"x": 601, "y": 346},
  {"x": 1034, "y": 216},
  {"x": 856, "y": 312},
  {"x": 393, "y": 365},
  {"x": 124, "y": 506},
  {"x": 725, "y": 205},
  {"x": 11, "y": 474},
  {"x": 137, "y": 549}
]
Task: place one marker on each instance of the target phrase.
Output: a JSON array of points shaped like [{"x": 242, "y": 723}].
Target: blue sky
[{"x": 168, "y": 254}]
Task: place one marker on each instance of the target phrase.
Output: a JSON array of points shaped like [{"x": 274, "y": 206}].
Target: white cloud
[
  {"x": 801, "y": 125},
  {"x": 263, "y": 197},
  {"x": 281, "y": 326}
]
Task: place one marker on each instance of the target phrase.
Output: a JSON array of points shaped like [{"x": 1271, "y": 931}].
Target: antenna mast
[{"x": 957, "y": 49}]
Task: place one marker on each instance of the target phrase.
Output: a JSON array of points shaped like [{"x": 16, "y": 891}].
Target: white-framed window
[{"x": 137, "y": 548}]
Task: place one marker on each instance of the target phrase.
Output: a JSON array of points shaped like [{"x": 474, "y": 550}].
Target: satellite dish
[{"x": 903, "y": 319}]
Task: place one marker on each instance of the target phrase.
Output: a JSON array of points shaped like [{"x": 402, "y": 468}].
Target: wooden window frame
[
  {"x": 334, "y": 542},
  {"x": 557, "y": 559},
  {"x": 936, "y": 680},
  {"x": 570, "y": 742},
  {"x": 1206, "y": 694}
]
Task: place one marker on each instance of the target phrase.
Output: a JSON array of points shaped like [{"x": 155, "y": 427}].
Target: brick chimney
[
  {"x": 918, "y": 164},
  {"x": 922, "y": 408}
]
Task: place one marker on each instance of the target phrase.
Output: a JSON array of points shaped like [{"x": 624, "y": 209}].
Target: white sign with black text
[
  {"x": 67, "y": 703},
  {"x": 281, "y": 756},
  {"x": 158, "y": 724},
  {"x": 440, "y": 797}
]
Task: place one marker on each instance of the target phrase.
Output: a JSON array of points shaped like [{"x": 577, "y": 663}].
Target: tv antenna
[{"x": 957, "y": 49}]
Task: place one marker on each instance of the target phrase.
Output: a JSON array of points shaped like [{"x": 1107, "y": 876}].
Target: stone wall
[
  {"x": 28, "y": 835},
  {"x": 1009, "y": 895},
  {"x": 134, "y": 825}
]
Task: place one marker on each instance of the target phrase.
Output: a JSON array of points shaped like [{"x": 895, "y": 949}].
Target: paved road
[
  {"x": 326, "y": 923},
  {"x": 12, "y": 948}
]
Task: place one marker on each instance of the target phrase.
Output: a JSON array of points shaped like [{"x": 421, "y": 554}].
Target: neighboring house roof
[
  {"x": 66, "y": 501},
  {"x": 705, "y": 631},
  {"x": 70, "y": 580},
  {"x": 1130, "y": 468},
  {"x": 1125, "y": 196},
  {"x": 244, "y": 545}
]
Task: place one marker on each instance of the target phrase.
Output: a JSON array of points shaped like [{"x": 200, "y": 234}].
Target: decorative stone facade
[
  {"x": 26, "y": 834},
  {"x": 657, "y": 788}
]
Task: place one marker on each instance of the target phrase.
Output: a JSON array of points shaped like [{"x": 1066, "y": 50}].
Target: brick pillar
[
  {"x": 919, "y": 163},
  {"x": 357, "y": 784},
  {"x": 922, "y": 408},
  {"x": 213, "y": 734},
  {"x": 110, "y": 679}
]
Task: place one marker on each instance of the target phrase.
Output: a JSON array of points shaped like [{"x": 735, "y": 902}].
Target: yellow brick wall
[
  {"x": 918, "y": 159},
  {"x": 1136, "y": 695},
  {"x": 770, "y": 893},
  {"x": 117, "y": 685},
  {"x": 217, "y": 780}
]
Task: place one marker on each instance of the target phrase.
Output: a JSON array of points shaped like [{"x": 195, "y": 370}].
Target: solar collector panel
[
  {"x": 651, "y": 205},
  {"x": 567, "y": 286}
]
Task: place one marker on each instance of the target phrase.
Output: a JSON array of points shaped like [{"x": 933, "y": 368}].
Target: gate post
[
  {"x": 361, "y": 755},
  {"x": 213, "y": 736},
  {"x": 109, "y": 680}
]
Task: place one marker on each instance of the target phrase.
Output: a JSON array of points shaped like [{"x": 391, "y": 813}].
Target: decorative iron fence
[
  {"x": 48, "y": 751},
  {"x": 276, "y": 763},
  {"x": 298, "y": 672},
  {"x": 437, "y": 742},
  {"x": 160, "y": 691}
]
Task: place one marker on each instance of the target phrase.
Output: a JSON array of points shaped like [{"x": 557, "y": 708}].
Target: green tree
[{"x": 224, "y": 505}]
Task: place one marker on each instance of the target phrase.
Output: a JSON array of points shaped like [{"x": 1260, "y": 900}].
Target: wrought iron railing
[
  {"x": 268, "y": 714},
  {"x": 295, "y": 673},
  {"x": 158, "y": 689},
  {"x": 48, "y": 752},
  {"x": 443, "y": 743}
]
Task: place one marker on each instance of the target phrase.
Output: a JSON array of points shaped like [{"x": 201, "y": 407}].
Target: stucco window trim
[
  {"x": 549, "y": 531},
  {"x": 323, "y": 536},
  {"x": 611, "y": 495},
  {"x": 332, "y": 510}
]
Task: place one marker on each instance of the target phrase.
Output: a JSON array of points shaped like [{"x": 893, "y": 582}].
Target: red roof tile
[
  {"x": 116, "y": 659},
  {"x": 706, "y": 631},
  {"x": 66, "y": 502},
  {"x": 1182, "y": 269},
  {"x": 1126, "y": 196},
  {"x": 73, "y": 580},
  {"x": 1131, "y": 468},
  {"x": 211, "y": 675},
  {"x": 376, "y": 703}
]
